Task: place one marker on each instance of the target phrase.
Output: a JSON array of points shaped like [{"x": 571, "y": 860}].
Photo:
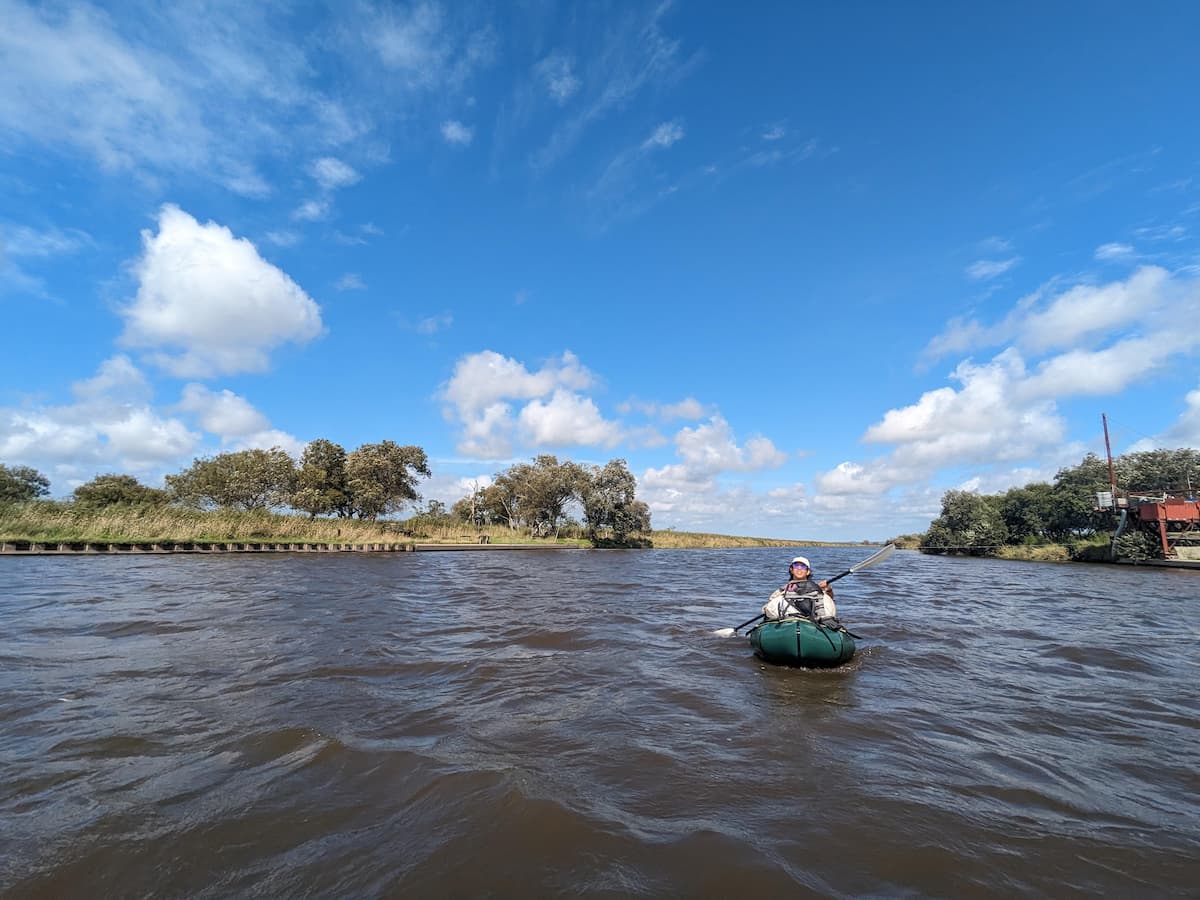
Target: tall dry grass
[{"x": 51, "y": 521}]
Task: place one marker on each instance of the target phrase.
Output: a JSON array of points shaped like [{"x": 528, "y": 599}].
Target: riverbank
[{"x": 53, "y": 527}]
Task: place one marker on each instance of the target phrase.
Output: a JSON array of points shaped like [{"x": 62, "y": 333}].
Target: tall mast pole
[{"x": 1112, "y": 478}]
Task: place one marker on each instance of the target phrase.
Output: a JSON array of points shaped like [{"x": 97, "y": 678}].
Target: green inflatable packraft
[{"x": 801, "y": 642}]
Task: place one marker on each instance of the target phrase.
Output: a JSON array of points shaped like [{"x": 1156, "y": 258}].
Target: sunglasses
[{"x": 799, "y": 566}]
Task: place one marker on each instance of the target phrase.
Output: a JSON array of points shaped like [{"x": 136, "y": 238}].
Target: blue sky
[{"x": 804, "y": 266}]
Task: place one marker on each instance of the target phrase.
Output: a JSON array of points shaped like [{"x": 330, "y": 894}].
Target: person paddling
[{"x": 801, "y": 596}]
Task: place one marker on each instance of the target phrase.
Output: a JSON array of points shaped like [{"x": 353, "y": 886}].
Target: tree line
[
  {"x": 1061, "y": 511},
  {"x": 374, "y": 480}
]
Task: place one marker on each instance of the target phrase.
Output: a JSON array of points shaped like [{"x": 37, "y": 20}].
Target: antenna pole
[{"x": 1112, "y": 478}]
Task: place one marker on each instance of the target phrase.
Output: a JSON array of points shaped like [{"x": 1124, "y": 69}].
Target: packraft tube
[{"x": 801, "y": 642}]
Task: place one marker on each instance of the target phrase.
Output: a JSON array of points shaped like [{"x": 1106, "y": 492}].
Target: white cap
[{"x": 802, "y": 559}]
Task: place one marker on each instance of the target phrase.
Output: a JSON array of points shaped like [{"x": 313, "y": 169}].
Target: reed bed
[{"x": 52, "y": 521}]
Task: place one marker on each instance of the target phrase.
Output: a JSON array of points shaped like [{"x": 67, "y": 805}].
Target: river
[{"x": 546, "y": 723}]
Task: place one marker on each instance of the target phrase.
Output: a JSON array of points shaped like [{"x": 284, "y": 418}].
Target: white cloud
[
  {"x": 1113, "y": 251},
  {"x": 480, "y": 379},
  {"x": 312, "y": 210},
  {"x": 688, "y": 408},
  {"x": 135, "y": 93},
  {"x": 634, "y": 56},
  {"x": 774, "y": 133},
  {"x": 984, "y": 269},
  {"x": 235, "y": 421},
  {"x": 331, "y": 173},
  {"x": 434, "y": 324},
  {"x": 282, "y": 238},
  {"x": 1004, "y": 413},
  {"x": 222, "y": 413},
  {"x": 109, "y": 427},
  {"x": 557, "y": 75},
  {"x": 710, "y": 448},
  {"x": 1086, "y": 311},
  {"x": 663, "y": 136},
  {"x": 21, "y": 241},
  {"x": 481, "y": 393},
  {"x": 1184, "y": 431},
  {"x": 208, "y": 304},
  {"x": 566, "y": 420},
  {"x": 1151, "y": 301},
  {"x": 691, "y": 494},
  {"x": 350, "y": 282},
  {"x": 423, "y": 49},
  {"x": 455, "y": 132}
]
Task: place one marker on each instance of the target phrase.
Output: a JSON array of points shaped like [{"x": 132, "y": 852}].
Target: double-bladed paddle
[{"x": 872, "y": 560}]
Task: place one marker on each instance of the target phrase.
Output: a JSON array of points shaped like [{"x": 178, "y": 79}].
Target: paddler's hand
[{"x": 824, "y": 586}]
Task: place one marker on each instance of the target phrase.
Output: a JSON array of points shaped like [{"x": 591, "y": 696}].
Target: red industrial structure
[{"x": 1172, "y": 517}]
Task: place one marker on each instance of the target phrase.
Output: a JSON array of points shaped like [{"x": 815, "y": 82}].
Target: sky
[{"x": 804, "y": 266}]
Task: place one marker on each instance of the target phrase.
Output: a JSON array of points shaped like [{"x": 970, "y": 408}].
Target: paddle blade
[
  {"x": 875, "y": 558},
  {"x": 724, "y": 632}
]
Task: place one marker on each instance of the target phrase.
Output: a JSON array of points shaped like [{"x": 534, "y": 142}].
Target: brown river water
[{"x": 544, "y": 723}]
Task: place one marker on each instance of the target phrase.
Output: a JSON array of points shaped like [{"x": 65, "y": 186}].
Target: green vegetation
[
  {"x": 21, "y": 483},
  {"x": 335, "y": 497},
  {"x": 1059, "y": 520},
  {"x": 48, "y": 521}
]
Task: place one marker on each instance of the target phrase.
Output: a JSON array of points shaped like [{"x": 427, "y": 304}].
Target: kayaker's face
[{"x": 799, "y": 570}]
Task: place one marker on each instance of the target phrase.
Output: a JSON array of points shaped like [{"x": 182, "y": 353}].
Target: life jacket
[{"x": 802, "y": 598}]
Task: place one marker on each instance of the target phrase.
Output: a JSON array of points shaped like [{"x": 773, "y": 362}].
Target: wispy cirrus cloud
[
  {"x": 635, "y": 55},
  {"x": 985, "y": 269}
]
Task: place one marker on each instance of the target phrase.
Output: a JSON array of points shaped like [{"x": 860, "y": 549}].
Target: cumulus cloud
[
  {"x": 110, "y": 425},
  {"x": 691, "y": 492},
  {"x": 235, "y": 421},
  {"x": 1001, "y": 420},
  {"x": 566, "y": 419},
  {"x": 485, "y": 386},
  {"x": 208, "y": 303},
  {"x": 710, "y": 448}
]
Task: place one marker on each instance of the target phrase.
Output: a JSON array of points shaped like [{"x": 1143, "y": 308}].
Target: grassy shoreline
[{"x": 52, "y": 522}]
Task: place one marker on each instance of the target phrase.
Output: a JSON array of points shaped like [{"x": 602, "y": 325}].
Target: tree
[
  {"x": 321, "y": 481},
  {"x": 969, "y": 524},
  {"x": 1073, "y": 507},
  {"x": 1027, "y": 511},
  {"x": 609, "y": 501},
  {"x": 1159, "y": 470},
  {"x": 19, "y": 484},
  {"x": 536, "y": 494},
  {"x": 246, "y": 479},
  {"x": 113, "y": 489},
  {"x": 471, "y": 508},
  {"x": 381, "y": 478}
]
